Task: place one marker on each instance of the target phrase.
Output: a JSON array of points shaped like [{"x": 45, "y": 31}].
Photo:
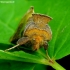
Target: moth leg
[
  {"x": 35, "y": 46},
  {"x": 45, "y": 45},
  {"x": 21, "y": 41}
]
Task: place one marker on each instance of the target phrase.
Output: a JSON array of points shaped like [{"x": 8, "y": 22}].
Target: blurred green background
[{"x": 12, "y": 11}]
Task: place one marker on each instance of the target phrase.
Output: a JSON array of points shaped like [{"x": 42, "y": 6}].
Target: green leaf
[
  {"x": 22, "y": 57},
  {"x": 23, "y": 66},
  {"x": 40, "y": 67},
  {"x": 14, "y": 65},
  {"x": 59, "y": 45},
  {"x": 17, "y": 56}
]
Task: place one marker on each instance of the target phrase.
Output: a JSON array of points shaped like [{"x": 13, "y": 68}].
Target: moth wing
[
  {"x": 21, "y": 26},
  {"x": 38, "y": 18}
]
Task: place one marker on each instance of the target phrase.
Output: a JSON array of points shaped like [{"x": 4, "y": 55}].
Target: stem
[
  {"x": 51, "y": 62},
  {"x": 55, "y": 65}
]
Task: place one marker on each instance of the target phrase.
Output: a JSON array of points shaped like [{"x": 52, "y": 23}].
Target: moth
[{"x": 34, "y": 28}]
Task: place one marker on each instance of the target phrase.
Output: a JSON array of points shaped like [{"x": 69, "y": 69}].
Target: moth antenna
[{"x": 12, "y": 47}]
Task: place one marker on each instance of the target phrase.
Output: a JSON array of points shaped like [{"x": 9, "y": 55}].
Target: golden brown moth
[{"x": 36, "y": 30}]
